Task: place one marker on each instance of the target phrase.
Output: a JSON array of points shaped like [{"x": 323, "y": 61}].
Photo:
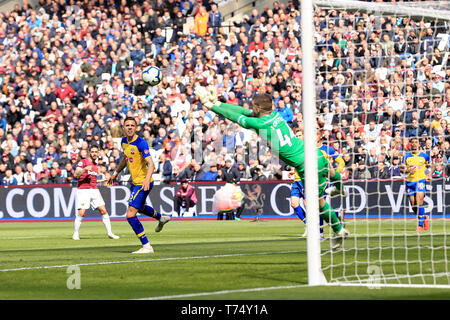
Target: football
[{"x": 152, "y": 76}]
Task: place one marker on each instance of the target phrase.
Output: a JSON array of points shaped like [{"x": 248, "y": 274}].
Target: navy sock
[
  {"x": 138, "y": 229},
  {"x": 300, "y": 213},
  {"x": 149, "y": 211},
  {"x": 321, "y": 224},
  {"x": 421, "y": 215}
]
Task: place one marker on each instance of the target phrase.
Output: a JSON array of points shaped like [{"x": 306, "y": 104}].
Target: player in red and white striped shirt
[{"x": 88, "y": 194}]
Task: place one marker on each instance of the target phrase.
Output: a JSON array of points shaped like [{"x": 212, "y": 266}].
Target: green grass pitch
[{"x": 209, "y": 259}]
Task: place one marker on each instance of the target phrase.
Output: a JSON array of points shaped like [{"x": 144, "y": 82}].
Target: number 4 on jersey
[{"x": 285, "y": 139}]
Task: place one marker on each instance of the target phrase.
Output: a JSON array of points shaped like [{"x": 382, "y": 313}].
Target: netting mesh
[{"x": 382, "y": 79}]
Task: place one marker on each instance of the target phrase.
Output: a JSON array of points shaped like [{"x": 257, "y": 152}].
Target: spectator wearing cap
[
  {"x": 211, "y": 174},
  {"x": 225, "y": 64},
  {"x": 361, "y": 172},
  {"x": 258, "y": 174},
  {"x": 230, "y": 172},
  {"x": 63, "y": 160}
]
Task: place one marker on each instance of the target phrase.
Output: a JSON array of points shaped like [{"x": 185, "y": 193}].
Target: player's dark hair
[
  {"x": 93, "y": 146},
  {"x": 264, "y": 101},
  {"x": 130, "y": 119}
]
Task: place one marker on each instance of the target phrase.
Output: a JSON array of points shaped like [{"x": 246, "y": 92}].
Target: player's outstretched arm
[
  {"x": 208, "y": 97},
  {"x": 237, "y": 117},
  {"x": 238, "y": 109}
]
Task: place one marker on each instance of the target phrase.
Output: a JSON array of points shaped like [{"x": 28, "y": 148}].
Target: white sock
[
  {"x": 78, "y": 221},
  {"x": 107, "y": 223},
  {"x": 147, "y": 245}
]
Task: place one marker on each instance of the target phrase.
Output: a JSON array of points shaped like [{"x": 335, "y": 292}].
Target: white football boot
[{"x": 162, "y": 221}]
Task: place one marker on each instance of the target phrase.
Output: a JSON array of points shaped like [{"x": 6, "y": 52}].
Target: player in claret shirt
[{"x": 88, "y": 194}]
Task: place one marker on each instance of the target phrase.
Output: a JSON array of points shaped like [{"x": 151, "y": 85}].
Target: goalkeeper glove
[{"x": 207, "y": 96}]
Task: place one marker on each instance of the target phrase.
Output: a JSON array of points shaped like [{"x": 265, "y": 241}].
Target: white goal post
[{"x": 384, "y": 247}]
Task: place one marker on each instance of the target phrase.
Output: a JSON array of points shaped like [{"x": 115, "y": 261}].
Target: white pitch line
[
  {"x": 149, "y": 260},
  {"x": 200, "y": 294},
  {"x": 22, "y": 238},
  {"x": 221, "y": 292}
]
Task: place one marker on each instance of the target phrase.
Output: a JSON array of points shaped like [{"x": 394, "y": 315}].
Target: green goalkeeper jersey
[
  {"x": 290, "y": 149},
  {"x": 272, "y": 128}
]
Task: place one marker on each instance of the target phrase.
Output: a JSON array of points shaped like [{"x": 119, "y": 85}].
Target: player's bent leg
[
  {"x": 330, "y": 217},
  {"x": 138, "y": 229},
  {"x": 295, "y": 204},
  {"x": 107, "y": 222},
  {"x": 328, "y": 214},
  {"x": 150, "y": 212},
  {"x": 163, "y": 219}
]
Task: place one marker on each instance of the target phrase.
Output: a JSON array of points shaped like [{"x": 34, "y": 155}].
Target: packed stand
[{"x": 70, "y": 73}]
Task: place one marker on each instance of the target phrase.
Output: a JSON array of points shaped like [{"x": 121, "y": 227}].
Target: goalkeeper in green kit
[{"x": 273, "y": 128}]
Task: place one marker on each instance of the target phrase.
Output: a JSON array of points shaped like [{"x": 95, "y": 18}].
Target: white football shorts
[{"x": 89, "y": 198}]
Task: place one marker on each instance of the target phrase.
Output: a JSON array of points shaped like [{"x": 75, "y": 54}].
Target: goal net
[{"x": 382, "y": 79}]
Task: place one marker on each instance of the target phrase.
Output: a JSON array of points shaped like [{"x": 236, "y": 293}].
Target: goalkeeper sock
[
  {"x": 138, "y": 229},
  {"x": 300, "y": 213},
  {"x": 78, "y": 220},
  {"x": 421, "y": 215},
  {"x": 328, "y": 214},
  {"x": 149, "y": 211}
]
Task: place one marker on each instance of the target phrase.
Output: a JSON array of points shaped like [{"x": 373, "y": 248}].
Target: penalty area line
[{"x": 150, "y": 260}]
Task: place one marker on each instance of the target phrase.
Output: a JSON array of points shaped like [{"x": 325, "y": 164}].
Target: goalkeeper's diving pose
[{"x": 273, "y": 128}]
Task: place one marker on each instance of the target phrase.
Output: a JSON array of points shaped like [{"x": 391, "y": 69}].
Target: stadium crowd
[{"x": 70, "y": 72}]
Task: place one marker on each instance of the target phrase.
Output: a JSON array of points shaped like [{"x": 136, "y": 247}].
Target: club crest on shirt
[{"x": 132, "y": 150}]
